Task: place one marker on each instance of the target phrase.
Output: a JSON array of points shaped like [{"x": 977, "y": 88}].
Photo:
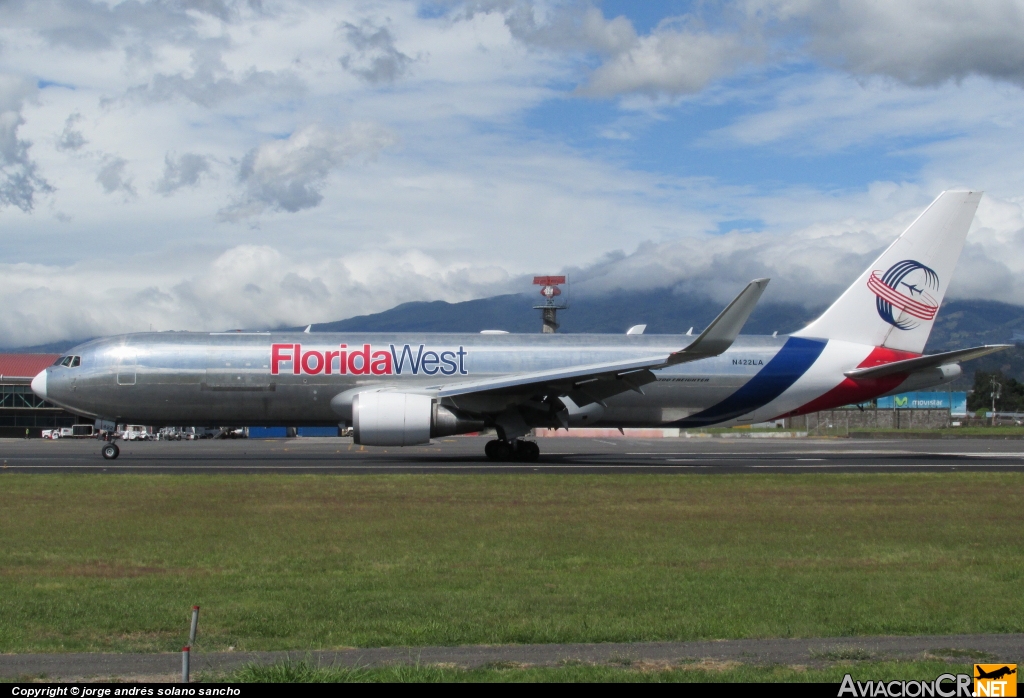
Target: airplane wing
[
  {"x": 924, "y": 362},
  {"x": 598, "y": 381}
]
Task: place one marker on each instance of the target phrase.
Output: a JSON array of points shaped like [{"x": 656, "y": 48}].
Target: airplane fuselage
[{"x": 220, "y": 379}]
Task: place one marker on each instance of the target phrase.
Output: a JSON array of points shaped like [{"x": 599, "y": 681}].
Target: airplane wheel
[
  {"x": 503, "y": 451},
  {"x": 527, "y": 451},
  {"x": 498, "y": 450},
  {"x": 111, "y": 451}
]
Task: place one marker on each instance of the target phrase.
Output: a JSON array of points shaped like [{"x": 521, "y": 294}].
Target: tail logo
[{"x": 904, "y": 287}]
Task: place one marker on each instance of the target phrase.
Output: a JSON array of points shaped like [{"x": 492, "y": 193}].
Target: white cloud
[
  {"x": 671, "y": 61},
  {"x": 184, "y": 171},
  {"x": 831, "y": 112},
  {"x": 678, "y": 57},
  {"x": 919, "y": 42},
  {"x": 245, "y": 286},
  {"x": 812, "y": 265},
  {"x": 374, "y": 57},
  {"x": 288, "y": 174},
  {"x": 83, "y": 25},
  {"x": 20, "y": 180},
  {"x": 70, "y": 138},
  {"x": 113, "y": 176},
  {"x": 264, "y": 286},
  {"x": 209, "y": 82},
  {"x": 255, "y": 178}
]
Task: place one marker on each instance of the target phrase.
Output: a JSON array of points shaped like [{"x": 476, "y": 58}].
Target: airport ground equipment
[{"x": 404, "y": 389}]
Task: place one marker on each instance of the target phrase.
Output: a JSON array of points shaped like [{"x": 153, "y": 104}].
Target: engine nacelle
[{"x": 384, "y": 418}]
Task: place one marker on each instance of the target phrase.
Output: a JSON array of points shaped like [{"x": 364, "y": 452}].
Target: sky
[{"x": 209, "y": 164}]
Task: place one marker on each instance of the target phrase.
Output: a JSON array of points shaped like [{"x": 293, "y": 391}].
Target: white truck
[{"x": 135, "y": 432}]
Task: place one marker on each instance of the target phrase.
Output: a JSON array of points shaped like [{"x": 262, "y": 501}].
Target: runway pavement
[{"x": 564, "y": 455}]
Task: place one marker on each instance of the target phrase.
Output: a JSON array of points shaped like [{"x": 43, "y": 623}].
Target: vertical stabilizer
[{"x": 894, "y": 302}]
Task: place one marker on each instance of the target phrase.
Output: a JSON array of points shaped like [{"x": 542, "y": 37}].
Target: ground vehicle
[
  {"x": 83, "y": 431},
  {"x": 135, "y": 432},
  {"x": 57, "y": 433},
  {"x": 169, "y": 434}
]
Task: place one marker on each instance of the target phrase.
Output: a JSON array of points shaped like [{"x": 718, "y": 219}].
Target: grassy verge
[
  {"x": 960, "y": 431},
  {"x": 740, "y": 430},
  {"x": 725, "y": 672},
  {"x": 317, "y": 562}
]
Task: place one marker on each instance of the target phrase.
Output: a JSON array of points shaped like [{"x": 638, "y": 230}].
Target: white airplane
[{"x": 404, "y": 389}]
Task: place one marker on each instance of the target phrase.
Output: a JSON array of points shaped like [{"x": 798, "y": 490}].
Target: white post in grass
[{"x": 195, "y": 624}]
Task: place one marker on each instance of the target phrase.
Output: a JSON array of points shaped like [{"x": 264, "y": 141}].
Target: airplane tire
[
  {"x": 111, "y": 451},
  {"x": 532, "y": 451},
  {"x": 526, "y": 451},
  {"x": 502, "y": 450},
  {"x": 489, "y": 449}
]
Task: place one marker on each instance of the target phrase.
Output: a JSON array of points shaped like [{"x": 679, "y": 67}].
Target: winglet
[{"x": 722, "y": 331}]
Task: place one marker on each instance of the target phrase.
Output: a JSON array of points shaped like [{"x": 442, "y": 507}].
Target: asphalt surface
[
  {"x": 558, "y": 455},
  {"x": 808, "y": 652}
]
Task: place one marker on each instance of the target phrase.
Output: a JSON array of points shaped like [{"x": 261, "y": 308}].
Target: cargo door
[
  {"x": 238, "y": 369},
  {"x": 127, "y": 364}
]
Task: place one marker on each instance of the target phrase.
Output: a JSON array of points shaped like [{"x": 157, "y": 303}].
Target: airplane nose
[{"x": 39, "y": 384}]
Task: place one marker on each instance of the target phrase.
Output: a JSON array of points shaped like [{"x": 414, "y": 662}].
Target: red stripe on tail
[{"x": 851, "y": 391}]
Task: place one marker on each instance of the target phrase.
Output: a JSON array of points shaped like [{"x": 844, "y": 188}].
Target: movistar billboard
[{"x": 956, "y": 403}]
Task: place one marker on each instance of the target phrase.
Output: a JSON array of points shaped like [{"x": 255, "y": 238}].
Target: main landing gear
[{"x": 499, "y": 449}]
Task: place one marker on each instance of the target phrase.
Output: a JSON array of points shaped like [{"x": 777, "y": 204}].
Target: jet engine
[{"x": 384, "y": 418}]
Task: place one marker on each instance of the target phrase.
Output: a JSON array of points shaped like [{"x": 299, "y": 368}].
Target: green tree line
[{"x": 1011, "y": 393}]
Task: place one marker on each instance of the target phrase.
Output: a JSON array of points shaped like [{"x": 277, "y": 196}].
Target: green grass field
[{"x": 316, "y": 562}]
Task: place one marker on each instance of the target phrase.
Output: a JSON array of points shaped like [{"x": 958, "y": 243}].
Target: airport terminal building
[{"x": 22, "y": 412}]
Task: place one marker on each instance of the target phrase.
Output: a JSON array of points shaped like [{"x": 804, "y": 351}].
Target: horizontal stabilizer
[{"x": 923, "y": 362}]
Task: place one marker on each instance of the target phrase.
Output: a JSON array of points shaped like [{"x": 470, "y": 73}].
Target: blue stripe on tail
[{"x": 792, "y": 361}]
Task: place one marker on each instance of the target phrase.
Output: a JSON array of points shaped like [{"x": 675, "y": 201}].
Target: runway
[{"x": 464, "y": 455}]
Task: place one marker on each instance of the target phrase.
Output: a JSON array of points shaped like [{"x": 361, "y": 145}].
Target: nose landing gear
[
  {"x": 111, "y": 451},
  {"x": 519, "y": 450}
]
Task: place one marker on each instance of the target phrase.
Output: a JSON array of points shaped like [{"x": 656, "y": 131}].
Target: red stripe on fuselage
[{"x": 852, "y": 391}]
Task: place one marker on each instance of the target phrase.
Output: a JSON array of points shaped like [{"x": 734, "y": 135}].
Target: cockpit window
[
  {"x": 76, "y": 361},
  {"x": 60, "y": 361},
  {"x": 68, "y": 361}
]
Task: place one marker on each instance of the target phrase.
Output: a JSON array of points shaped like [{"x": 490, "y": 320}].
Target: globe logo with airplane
[{"x": 902, "y": 294}]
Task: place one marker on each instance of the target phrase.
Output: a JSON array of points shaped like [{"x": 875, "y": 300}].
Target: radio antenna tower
[{"x": 549, "y": 309}]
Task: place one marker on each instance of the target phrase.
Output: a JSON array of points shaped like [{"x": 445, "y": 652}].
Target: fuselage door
[
  {"x": 237, "y": 368},
  {"x": 126, "y": 367}
]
